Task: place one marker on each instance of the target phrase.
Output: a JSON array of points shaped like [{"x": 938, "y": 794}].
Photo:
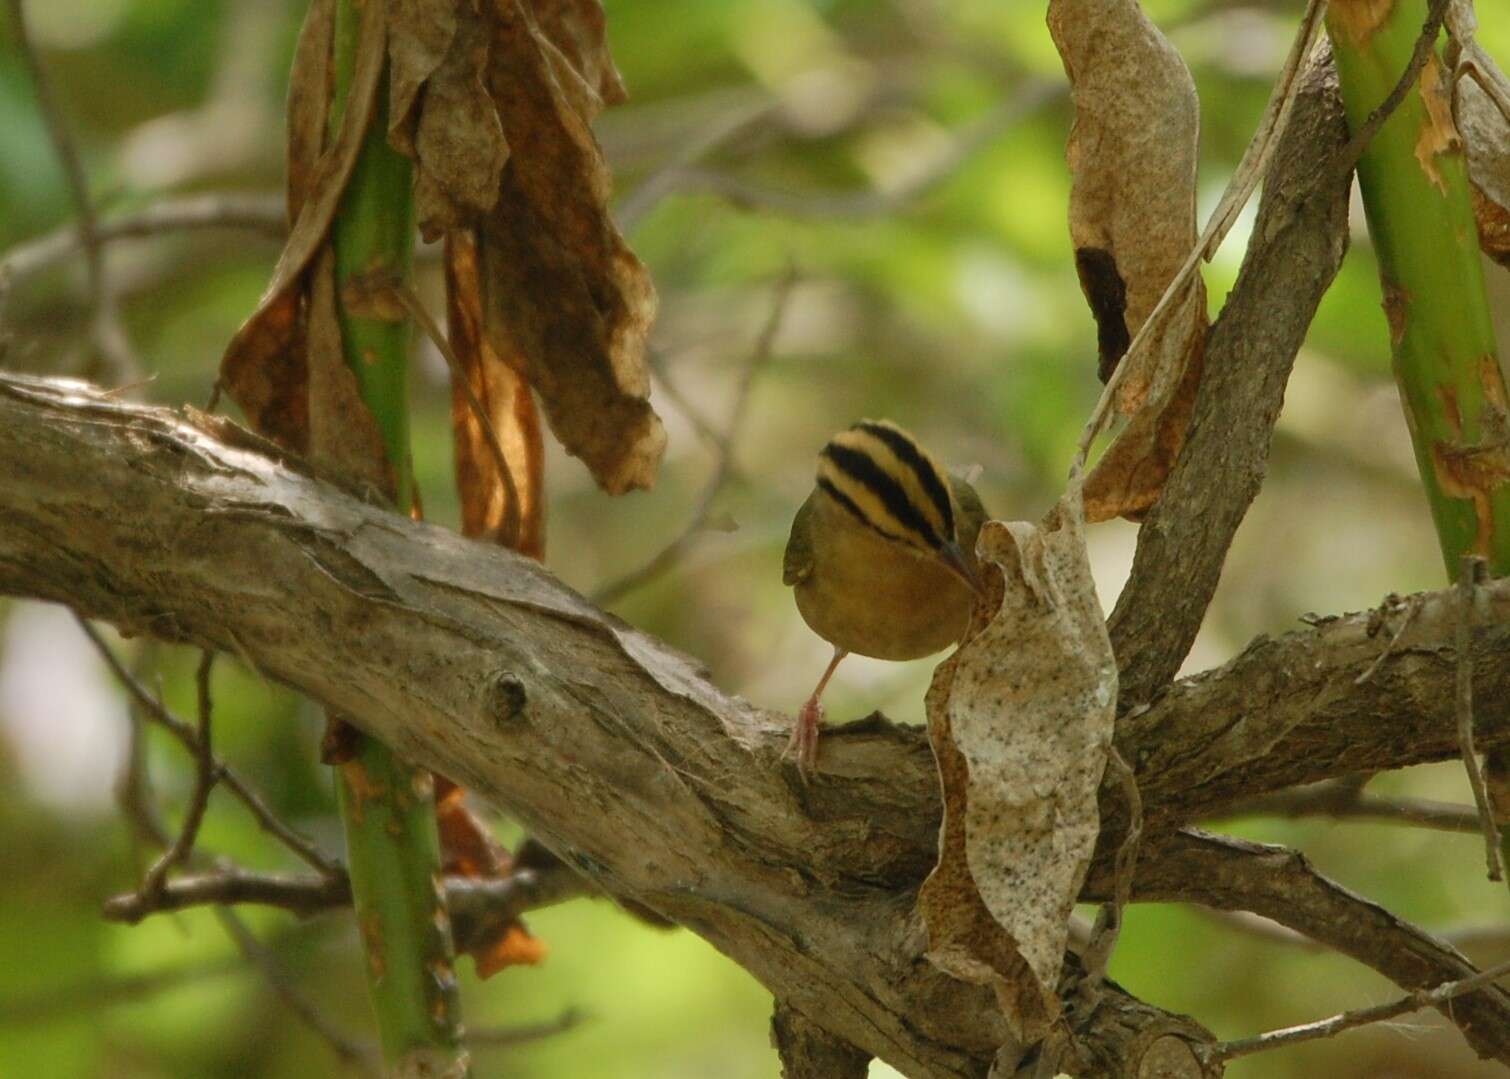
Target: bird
[{"x": 881, "y": 558}]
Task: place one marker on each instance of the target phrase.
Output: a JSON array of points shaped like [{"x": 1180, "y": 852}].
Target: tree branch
[
  {"x": 478, "y": 663},
  {"x": 1300, "y": 237},
  {"x": 1281, "y": 885}
]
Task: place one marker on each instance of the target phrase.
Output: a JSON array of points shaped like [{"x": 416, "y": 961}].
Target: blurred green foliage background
[{"x": 905, "y": 159}]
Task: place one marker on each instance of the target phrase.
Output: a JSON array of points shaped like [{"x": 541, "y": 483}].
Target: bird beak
[{"x": 951, "y": 555}]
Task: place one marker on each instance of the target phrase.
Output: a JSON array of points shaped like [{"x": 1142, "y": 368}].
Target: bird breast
[{"x": 872, "y": 596}]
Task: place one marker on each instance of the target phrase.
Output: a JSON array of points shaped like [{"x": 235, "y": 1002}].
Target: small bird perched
[{"x": 881, "y": 557}]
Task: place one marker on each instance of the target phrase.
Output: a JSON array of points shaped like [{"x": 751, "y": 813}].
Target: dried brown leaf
[
  {"x": 469, "y": 849},
  {"x": 468, "y": 846},
  {"x": 1132, "y": 157},
  {"x": 579, "y": 30},
  {"x": 419, "y": 35},
  {"x": 457, "y": 141},
  {"x": 1486, "y": 136},
  {"x": 1021, "y": 721},
  {"x": 264, "y": 369},
  {"x": 343, "y": 434},
  {"x": 560, "y": 288},
  {"x": 309, "y": 101},
  {"x": 510, "y": 406}
]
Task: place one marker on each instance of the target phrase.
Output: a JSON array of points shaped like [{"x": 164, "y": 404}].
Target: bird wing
[{"x": 797, "y": 561}]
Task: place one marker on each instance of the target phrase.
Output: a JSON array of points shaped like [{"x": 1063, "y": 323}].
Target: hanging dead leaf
[
  {"x": 508, "y": 403},
  {"x": 454, "y": 134},
  {"x": 343, "y": 435},
  {"x": 579, "y": 30},
  {"x": 1485, "y": 131},
  {"x": 560, "y": 288},
  {"x": 1132, "y": 158},
  {"x": 264, "y": 367},
  {"x": 1021, "y": 721},
  {"x": 469, "y": 849},
  {"x": 419, "y": 36}
]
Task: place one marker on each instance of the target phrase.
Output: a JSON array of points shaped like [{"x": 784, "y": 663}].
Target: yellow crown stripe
[
  {"x": 859, "y": 498},
  {"x": 901, "y": 472}
]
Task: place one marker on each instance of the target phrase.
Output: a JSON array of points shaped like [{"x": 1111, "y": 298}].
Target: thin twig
[
  {"x": 207, "y": 774},
  {"x": 158, "y": 713},
  {"x": 475, "y": 904},
  {"x": 507, "y": 1037},
  {"x": 667, "y": 556},
  {"x": 1466, "y": 938},
  {"x": 1411, "y": 610},
  {"x": 860, "y": 205},
  {"x": 94, "y": 993},
  {"x": 1321, "y": 800},
  {"x": 1245, "y": 180},
  {"x": 1352, "y": 150},
  {"x": 1108, "y": 927},
  {"x": 1472, "y": 574},
  {"x": 364, "y": 1058},
  {"x": 1326, "y": 1028},
  {"x": 261, "y": 214},
  {"x": 109, "y": 337}
]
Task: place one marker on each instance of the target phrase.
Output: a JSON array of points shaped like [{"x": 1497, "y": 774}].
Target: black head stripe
[
  {"x": 908, "y": 453},
  {"x": 848, "y": 503},
  {"x": 860, "y": 468}
]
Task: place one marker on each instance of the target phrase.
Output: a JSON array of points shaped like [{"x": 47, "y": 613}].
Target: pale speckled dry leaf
[
  {"x": 561, "y": 288},
  {"x": 1132, "y": 159},
  {"x": 1486, "y": 136},
  {"x": 1021, "y": 721},
  {"x": 264, "y": 368},
  {"x": 510, "y": 406}
]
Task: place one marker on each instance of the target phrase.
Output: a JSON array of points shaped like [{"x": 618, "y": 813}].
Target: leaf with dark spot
[{"x": 1132, "y": 158}]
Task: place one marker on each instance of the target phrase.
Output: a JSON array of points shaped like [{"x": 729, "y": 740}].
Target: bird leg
[{"x": 804, "y": 738}]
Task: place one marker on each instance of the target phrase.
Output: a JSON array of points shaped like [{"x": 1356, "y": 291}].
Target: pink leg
[{"x": 804, "y": 738}]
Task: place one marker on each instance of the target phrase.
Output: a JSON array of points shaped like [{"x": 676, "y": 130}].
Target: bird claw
[{"x": 804, "y": 740}]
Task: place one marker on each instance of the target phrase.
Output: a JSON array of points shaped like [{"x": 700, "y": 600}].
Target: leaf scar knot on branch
[{"x": 509, "y": 699}]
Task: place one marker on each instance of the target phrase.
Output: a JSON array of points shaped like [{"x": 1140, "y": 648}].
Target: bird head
[{"x": 881, "y": 477}]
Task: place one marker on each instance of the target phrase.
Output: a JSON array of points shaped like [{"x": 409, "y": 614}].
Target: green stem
[
  {"x": 387, "y": 805},
  {"x": 1414, "y": 179},
  {"x": 1413, "y": 176}
]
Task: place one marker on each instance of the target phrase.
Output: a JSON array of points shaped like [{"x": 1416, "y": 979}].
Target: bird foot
[{"x": 804, "y": 740}]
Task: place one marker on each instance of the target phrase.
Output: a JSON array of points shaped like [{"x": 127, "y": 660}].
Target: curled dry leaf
[
  {"x": 500, "y": 135},
  {"x": 1132, "y": 158},
  {"x": 1486, "y": 134},
  {"x": 561, "y": 289},
  {"x": 266, "y": 366},
  {"x": 1021, "y": 720},
  {"x": 509, "y": 405},
  {"x": 469, "y": 849}
]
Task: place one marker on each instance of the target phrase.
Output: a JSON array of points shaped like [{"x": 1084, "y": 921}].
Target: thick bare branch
[
  {"x": 478, "y": 663},
  {"x": 1280, "y": 884},
  {"x": 1302, "y": 234}
]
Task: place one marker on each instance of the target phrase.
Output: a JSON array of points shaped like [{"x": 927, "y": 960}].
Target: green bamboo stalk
[
  {"x": 387, "y": 805},
  {"x": 1414, "y": 180}
]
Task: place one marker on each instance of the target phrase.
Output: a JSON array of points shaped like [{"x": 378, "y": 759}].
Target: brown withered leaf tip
[
  {"x": 1486, "y": 137},
  {"x": 1021, "y": 720},
  {"x": 1132, "y": 159},
  {"x": 508, "y": 403},
  {"x": 469, "y": 849}
]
